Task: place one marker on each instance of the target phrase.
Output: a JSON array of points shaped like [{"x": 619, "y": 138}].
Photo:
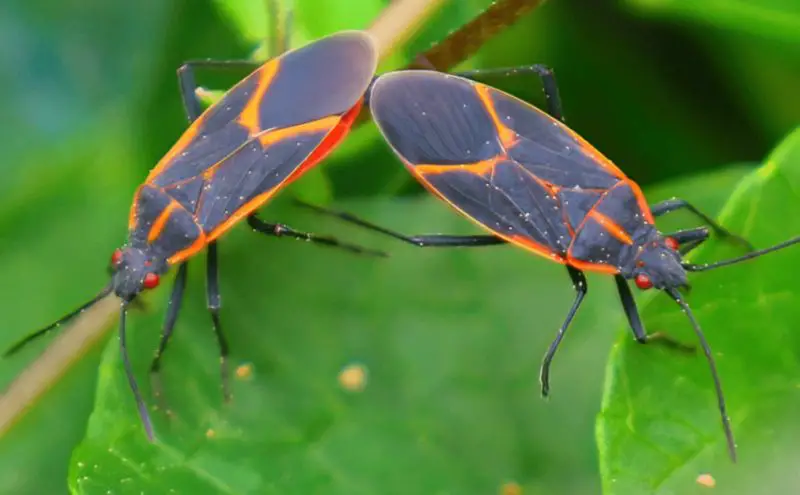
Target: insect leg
[
  {"x": 544, "y": 73},
  {"x": 281, "y": 230},
  {"x": 435, "y": 240},
  {"x": 579, "y": 284},
  {"x": 175, "y": 300},
  {"x": 214, "y": 303},
  {"x": 639, "y": 333},
  {"x": 188, "y": 86},
  {"x": 689, "y": 239},
  {"x": 674, "y": 204}
]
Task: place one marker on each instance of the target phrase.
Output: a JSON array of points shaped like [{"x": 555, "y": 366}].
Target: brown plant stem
[{"x": 65, "y": 350}]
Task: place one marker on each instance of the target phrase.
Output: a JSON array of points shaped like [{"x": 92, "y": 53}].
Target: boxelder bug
[
  {"x": 267, "y": 130},
  {"x": 531, "y": 181}
]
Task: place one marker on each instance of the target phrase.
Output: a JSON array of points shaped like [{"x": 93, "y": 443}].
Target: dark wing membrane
[
  {"x": 325, "y": 78},
  {"x": 506, "y": 200},
  {"x": 252, "y": 171},
  {"x": 432, "y": 118},
  {"x": 498, "y": 160}
]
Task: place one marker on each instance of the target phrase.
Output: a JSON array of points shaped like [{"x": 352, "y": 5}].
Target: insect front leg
[
  {"x": 175, "y": 300},
  {"x": 214, "y": 302},
  {"x": 689, "y": 239},
  {"x": 675, "y": 204},
  {"x": 639, "y": 332},
  {"x": 581, "y": 288}
]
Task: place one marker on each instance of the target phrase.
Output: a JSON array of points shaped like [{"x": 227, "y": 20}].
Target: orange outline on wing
[
  {"x": 592, "y": 267},
  {"x": 590, "y": 150},
  {"x": 133, "y": 218},
  {"x": 641, "y": 200}
]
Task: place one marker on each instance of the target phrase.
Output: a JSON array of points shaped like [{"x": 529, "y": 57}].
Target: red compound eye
[
  {"x": 150, "y": 281},
  {"x": 671, "y": 243},
  {"x": 643, "y": 282},
  {"x": 116, "y": 257}
]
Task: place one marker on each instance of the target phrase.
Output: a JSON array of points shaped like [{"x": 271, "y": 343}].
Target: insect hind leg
[
  {"x": 543, "y": 72},
  {"x": 434, "y": 240},
  {"x": 281, "y": 230}
]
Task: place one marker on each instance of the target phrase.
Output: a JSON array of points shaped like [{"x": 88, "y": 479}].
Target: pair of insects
[{"x": 516, "y": 171}]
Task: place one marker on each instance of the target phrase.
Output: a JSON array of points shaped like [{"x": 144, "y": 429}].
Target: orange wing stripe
[
  {"x": 161, "y": 221},
  {"x": 268, "y": 138},
  {"x": 249, "y": 118},
  {"x": 252, "y": 205},
  {"x": 324, "y": 124},
  {"x": 483, "y": 167},
  {"x": 507, "y": 137},
  {"x": 611, "y": 226}
]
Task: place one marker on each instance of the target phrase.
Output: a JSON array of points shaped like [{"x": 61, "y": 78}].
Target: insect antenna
[
  {"x": 726, "y": 422},
  {"x": 754, "y": 254},
  {"x": 64, "y": 319},
  {"x": 140, "y": 405}
]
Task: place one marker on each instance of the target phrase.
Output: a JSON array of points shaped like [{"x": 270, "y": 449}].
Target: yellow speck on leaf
[
  {"x": 706, "y": 480},
  {"x": 244, "y": 371},
  {"x": 353, "y": 377}
]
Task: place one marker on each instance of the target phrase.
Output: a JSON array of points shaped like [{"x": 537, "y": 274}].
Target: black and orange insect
[
  {"x": 267, "y": 130},
  {"x": 528, "y": 179}
]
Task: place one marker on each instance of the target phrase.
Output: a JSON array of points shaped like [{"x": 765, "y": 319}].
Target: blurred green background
[{"x": 671, "y": 90}]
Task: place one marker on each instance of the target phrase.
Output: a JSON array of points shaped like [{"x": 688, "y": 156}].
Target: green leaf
[
  {"x": 451, "y": 342},
  {"x": 251, "y": 17},
  {"x": 659, "y": 428},
  {"x": 772, "y": 18}
]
